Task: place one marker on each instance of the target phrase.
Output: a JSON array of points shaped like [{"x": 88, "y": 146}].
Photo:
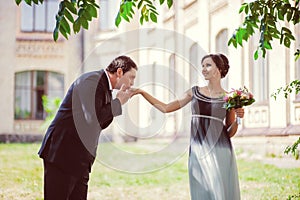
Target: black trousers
[{"x": 59, "y": 185}]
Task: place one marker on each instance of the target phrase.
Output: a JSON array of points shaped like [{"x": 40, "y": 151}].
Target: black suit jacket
[{"x": 72, "y": 138}]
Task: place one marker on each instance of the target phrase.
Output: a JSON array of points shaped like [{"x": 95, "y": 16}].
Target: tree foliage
[
  {"x": 293, "y": 149},
  {"x": 77, "y": 14},
  {"x": 294, "y": 86},
  {"x": 270, "y": 18},
  {"x": 265, "y": 16},
  {"x": 51, "y": 106}
]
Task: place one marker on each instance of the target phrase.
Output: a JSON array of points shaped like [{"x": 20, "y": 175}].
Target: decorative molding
[
  {"x": 289, "y": 130},
  {"x": 297, "y": 114},
  {"x": 188, "y": 3},
  {"x": 39, "y": 49},
  {"x": 28, "y": 126},
  {"x": 257, "y": 117},
  {"x": 217, "y": 5}
]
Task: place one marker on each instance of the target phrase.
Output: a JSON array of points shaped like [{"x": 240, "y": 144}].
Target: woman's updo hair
[{"x": 221, "y": 62}]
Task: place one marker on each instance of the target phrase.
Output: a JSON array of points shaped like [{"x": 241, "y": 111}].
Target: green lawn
[{"x": 21, "y": 176}]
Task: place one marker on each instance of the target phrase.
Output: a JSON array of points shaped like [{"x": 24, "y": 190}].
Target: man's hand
[{"x": 123, "y": 95}]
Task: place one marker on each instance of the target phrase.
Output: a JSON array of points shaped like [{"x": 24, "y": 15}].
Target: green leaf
[
  {"x": 148, "y": 1},
  {"x": 287, "y": 42},
  {"x": 81, "y": 11},
  {"x": 296, "y": 17},
  {"x": 297, "y": 54},
  {"x": 69, "y": 16},
  {"x": 263, "y": 52},
  {"x": 145, "y": 13},
  {"x": 281, "y": 38},
  {"x": 118, "y": 20},
  {"x": 256, "y": 55},
  {"x": 289, "y": 15},
  {"x": 232, "y": 41},
  {"x": 55, "y": 33},
  {"x": 280, "y": 15},
  {"x": 87, "y": 15},
  {"x": 84, "y": 23},
  {"x": 290, "y": 36},
  {"x": 63, "y": 32},
  {"x": 242, "y": 7},
  {"x": 91, "y": 1},
  {"x": 247, "y": 9},
  {"x": 153, "y": 17},
  {"x": 76, "y": 26},
  {"x": 18, "y": 2},
  {"x": 125, "y": 17},
  {"x": 267, "y": 45},
  {"x": 28, "y": 2},
  {"x": 284, "y": 29},
  {"x": 140, "y": 4},
  {"x": 58, "y": 18},
  {"x": 96, "y": 5},
  {"x": 128, "y": 6},
  {"x": 170, "y": 3},
  {"x": 229, "y": 42},
  {"x": 65, "y": 25},
  {"x": 71, "y": 7},
  {"x": 36, "y": 1},
  {"x": 240, "y": 35},
  {"x": 151, "y": 6},
  {"x": 142, "y": 20},
  {"x": 161, "y": 1},
  {"x": 92, "y": 10},
  {"x": 154, "y": 11}
]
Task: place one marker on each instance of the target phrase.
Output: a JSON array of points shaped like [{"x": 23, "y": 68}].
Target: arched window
[
  {"x": 30, "y": 86},
  {"x": 39, "y": 18},
  {"x": 222, "y": 47}
]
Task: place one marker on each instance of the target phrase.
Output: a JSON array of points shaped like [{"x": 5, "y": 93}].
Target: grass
[
  {"x": 21, "y": 177},
  {"x": 20, "y": 172}
]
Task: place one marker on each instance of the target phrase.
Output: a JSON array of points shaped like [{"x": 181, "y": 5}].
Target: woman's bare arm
[
  {"x": 231, "y": 124},
  {"x": 169, "y": 107}
]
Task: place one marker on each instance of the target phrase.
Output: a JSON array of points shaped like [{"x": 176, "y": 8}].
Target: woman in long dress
[{"x": 212, "y": 166}]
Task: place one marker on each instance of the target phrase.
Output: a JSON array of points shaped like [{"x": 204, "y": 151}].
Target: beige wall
[
  {"x": 199, "y": 20},
  {"x": 30, "y": 51},
  {"x": 7, "y": 63}
]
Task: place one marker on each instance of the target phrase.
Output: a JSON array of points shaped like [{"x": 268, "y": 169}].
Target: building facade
[
  {"x": 168, "y": 54},
  {"x": 33, "y": 65}
]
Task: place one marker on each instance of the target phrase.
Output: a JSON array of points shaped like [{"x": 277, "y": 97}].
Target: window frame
[
  {"x": 262, "y": 96},
  {"x": 109, "y": 24},
  {"x": 33, "y": 90},
  {"x": 34, "y": 9}
]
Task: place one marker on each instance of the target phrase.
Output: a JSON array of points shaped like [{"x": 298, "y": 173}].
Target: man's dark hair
[{"x": 123, "y": 62}]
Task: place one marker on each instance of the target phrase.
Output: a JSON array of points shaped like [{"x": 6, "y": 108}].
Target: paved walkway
[{"x": 268, "y": 150}]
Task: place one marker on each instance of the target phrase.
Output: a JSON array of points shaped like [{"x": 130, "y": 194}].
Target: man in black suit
[{"x": 69, "y": 146}]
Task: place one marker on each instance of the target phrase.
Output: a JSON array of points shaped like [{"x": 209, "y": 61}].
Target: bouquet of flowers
[{"x": 237, "y": 98}]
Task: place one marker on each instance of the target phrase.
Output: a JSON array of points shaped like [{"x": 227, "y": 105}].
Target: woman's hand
[
  {"x": 135, "y": 91},
  {"x": 239, "y": 112}
]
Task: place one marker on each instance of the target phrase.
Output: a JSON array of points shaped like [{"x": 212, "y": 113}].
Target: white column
[{"x": 7, "y": 64}]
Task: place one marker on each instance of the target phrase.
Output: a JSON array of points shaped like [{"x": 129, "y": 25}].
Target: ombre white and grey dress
[{"x": 212, "y": 165}]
